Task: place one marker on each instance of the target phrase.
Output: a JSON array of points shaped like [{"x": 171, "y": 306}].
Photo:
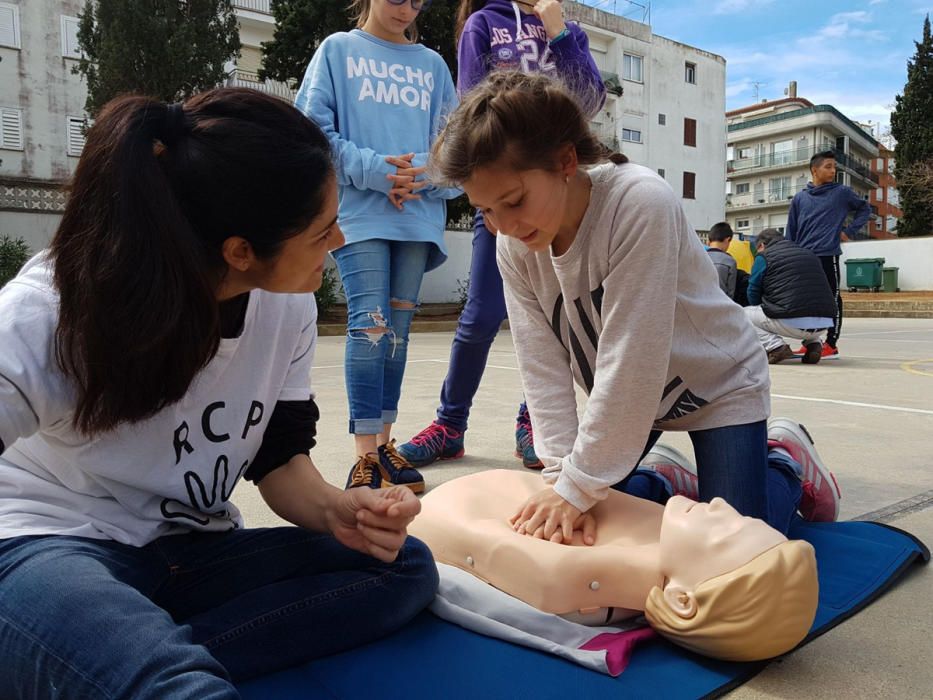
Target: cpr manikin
[{"x": 707, "y": 578}]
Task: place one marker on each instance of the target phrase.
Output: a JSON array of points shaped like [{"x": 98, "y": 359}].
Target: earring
[{"x": 566, "y": 179}]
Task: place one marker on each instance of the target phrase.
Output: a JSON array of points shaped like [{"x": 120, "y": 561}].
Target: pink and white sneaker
[
  {"x": 675, "y": 467},
  {"x": 821, "y": 494}
]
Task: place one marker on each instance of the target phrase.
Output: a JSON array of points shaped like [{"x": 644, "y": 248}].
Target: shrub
[
  {"x": 329, "y": 293},
  {"x": 13, "y": 255}
]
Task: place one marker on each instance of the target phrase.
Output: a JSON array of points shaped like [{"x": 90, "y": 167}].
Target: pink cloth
[{"x": 618, "y": 646}]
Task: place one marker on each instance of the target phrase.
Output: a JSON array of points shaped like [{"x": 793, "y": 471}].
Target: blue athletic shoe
[
  {"x": 525, "y": 440},
  {"x": 435, "y": 442}
]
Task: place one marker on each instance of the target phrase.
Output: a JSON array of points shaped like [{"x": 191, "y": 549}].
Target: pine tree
[
  {"x": 912, "y": 126},
  {"x": 167, "y": 49}
]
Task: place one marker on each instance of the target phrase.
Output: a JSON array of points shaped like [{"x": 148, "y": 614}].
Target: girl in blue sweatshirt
[
  {"x": 499, "y": 35},
  {"x": 381, "y": 98}
]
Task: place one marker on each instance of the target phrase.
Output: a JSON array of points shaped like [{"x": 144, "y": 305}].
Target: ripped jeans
[{"x": 382, "y": 280}]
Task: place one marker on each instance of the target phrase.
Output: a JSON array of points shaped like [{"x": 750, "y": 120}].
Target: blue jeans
[
  {"x": 479, "y": 323},
  {"x": 186, "y": 616},
  {"x": 376, "y": 273},
  {"x": 733, "y": 463}
]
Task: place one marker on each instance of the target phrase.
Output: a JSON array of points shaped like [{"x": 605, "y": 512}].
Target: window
[
  {"x": 633, "y": 135},
  {"x": 879, "y": 194},
  {"x": 742, "y": 188},
  {"x": 690, "y": 72},
  {"x": 879, "y": 164},
  {"x": 661, "y": 172},
  {"x": 11, "y": 129},
  {"x": 690, "y": 185},
  {"x": 894, "y": 197},
  {"x": 75, "y": 129},
  {"x": 9, "y": 25},
  {"x": 631, "y": 67},
  {"x": 690, "y": 132},
  {"x": 782, "y": 152},
  {"x": 741, "y": 223},
  {"x": 662, "y": 119},
  {"x": 744, "y": 152},
  {"x": 778, "y": 189},
  {"x": 70, "y": 46}
]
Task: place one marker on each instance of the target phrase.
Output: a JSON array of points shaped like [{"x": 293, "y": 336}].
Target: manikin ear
[
  {"x": 238, "y": 253},
  {"x": 680, "y": 600},
  {"x": 567, "y": 159}
]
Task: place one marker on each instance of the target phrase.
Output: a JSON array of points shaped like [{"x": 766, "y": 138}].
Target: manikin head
[{"x": 734, "y": 588}]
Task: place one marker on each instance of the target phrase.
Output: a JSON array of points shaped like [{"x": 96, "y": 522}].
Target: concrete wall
[
  {"x": 35, "y": 228},
  {"x": 914, "y": 257}
]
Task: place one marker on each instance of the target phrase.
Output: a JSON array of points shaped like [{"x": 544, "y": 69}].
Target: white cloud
[
  {"x": 724, "y": 7},
  {"x": 840, "y": 26}
]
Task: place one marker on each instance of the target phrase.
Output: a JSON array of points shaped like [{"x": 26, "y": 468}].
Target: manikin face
[
  {"x": 700, "y": 541},
  {"x": 528, "y": 204},
  {"x": 824, "y": 172}
]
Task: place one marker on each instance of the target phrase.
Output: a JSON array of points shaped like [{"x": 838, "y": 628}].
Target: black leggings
[{"x": 831, "y": 270}]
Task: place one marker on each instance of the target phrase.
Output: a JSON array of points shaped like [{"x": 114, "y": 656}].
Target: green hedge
[{"x": 13, "y": 255}]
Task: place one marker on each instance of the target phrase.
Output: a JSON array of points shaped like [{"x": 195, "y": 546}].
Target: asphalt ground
[{"x": 870, "y": 413}]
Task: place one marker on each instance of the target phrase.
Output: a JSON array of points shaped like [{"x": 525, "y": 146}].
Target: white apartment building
[
  {"x": 769, "y": 150},
  {"x": 42, "y": 105},
  {"x": 669, "y": 115}
]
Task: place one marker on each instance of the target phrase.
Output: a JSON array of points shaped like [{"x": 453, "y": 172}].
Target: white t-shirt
[
  {"x": 167, "y": 474},
  {"x": 632, "y": 313}
]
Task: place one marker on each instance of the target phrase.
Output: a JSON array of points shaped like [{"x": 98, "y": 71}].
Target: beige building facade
[{"x": 768, "y": 154}]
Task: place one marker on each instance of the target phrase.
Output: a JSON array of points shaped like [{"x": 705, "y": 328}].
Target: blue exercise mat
[{"x": 431, "y": 659}]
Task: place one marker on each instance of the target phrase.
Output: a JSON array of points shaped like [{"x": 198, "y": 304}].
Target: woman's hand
[
  {"x": 404, "y": 182},
  {"x": 551, "y": 15},
  {"x": 373, "y": 522},
  {"x": 547, "y": 516}
]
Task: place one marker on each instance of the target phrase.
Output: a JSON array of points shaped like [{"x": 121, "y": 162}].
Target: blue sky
[{"x": 850, "y": 54}]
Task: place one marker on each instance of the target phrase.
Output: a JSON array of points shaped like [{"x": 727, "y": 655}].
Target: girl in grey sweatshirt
[{"x": 608, "y": 288}]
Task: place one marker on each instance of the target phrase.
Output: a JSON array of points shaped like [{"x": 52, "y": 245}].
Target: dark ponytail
[
  {"x": 137, "y": 256},
  {"x": 467, "y": 8}
]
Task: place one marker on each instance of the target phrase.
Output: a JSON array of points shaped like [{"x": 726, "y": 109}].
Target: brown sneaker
[
  {"x": 367, "y": 472},
  {"x": 780, "y": 354}
]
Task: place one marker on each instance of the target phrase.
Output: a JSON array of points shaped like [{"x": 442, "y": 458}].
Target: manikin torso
[{"x": 465, "y": 523}]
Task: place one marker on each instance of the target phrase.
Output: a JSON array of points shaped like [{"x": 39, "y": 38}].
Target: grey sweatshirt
[{"x": 633, "y": 314}]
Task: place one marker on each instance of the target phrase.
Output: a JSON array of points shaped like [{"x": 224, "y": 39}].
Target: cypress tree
[{"x": 912, "y": 126}]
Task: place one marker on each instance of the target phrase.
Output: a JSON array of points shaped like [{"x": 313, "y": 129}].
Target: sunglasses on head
[{"x": 416, "y": 5}]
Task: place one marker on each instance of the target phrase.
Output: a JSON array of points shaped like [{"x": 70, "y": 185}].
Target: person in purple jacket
[
  {"x": 816, "y": 222},
  {"x": 499, "y": 35}
]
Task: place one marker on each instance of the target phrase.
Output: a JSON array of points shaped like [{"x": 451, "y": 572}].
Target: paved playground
[{"x": 870, "y": 412}]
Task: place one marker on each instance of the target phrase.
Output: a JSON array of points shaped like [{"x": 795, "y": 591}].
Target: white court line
[
  {"x": 859, "y": 404},
  {"x": 909, "y": 330},
  {"x": 896, "y": 340}
]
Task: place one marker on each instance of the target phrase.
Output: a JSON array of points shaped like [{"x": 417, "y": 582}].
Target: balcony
[
  {"x": 762, "y": 199},
  {"x": 796, "y": 158},
  {"x": 263, "y": 7},
  {"x": 242, "y": 78}
]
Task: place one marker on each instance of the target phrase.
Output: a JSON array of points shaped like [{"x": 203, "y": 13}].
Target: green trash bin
[
  {"x": 864, "y": 273},
  {"x": 889, "y": 279}
]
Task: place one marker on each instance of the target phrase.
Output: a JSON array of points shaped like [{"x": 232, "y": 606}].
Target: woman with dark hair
[{"x": 159, "y": 350}]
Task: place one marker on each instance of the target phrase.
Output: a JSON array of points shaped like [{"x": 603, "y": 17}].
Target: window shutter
[
  {"x": 9, "y": 25},
  {"x": 690, "y": 132},
  {"x": 75, "y": 135},
  {"x": 11, "y": 129},
  {"x": 70, "y": 46},
  {"x": 690, "y": 181}
]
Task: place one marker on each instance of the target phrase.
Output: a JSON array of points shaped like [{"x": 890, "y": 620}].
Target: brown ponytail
[{"x": 522, "y": 118}]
